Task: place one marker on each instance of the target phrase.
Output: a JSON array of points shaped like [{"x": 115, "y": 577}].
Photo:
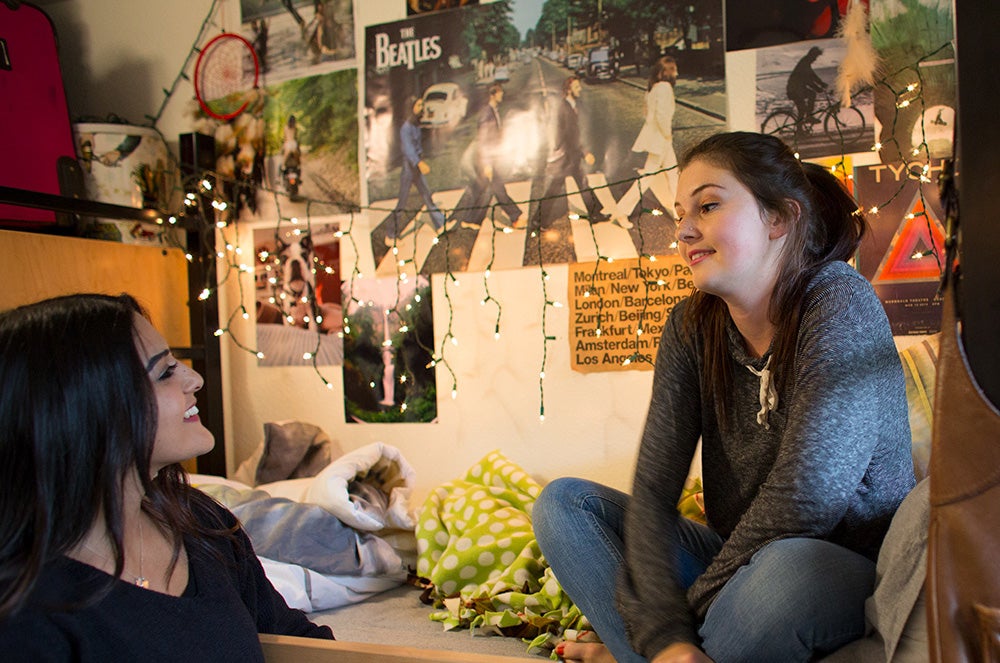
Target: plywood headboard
[{"x": 37, "y": 266}]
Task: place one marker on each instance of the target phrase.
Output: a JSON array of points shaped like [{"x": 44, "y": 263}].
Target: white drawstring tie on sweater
[{"x": 768, "y": 394}]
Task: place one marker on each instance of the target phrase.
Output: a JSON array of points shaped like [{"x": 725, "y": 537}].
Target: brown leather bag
[{"x": 963, "y": 559}]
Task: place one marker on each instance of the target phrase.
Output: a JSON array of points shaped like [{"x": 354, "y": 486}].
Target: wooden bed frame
[
  {"x": 288, "y": 649},
  {"x": 39, "y": 266}
]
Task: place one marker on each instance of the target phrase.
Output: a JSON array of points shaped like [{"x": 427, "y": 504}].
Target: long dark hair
[
  {"x": 824, "y": 224},
  {"x": 78, "y": 416}
]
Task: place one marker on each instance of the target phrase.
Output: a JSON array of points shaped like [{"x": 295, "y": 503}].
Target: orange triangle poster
[
  {"x": 916, "y": 249},
  {"x": 901, "y": 253}
]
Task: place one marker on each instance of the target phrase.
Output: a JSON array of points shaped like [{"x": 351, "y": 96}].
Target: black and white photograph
[{"x": 797, "y": 100}]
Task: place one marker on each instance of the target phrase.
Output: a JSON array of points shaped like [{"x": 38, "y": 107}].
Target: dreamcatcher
[{"x": 226, "y": 76}]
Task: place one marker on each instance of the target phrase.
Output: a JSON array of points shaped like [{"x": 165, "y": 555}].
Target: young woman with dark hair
[
  {"x": 106, "y": 553},
  {"x": 782, "y": 364}
]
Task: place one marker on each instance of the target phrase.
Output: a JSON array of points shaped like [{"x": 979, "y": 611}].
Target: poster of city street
[{"x": 430, "y": 87}]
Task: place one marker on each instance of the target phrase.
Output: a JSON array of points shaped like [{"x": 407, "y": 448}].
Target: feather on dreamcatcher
[{"x": 860, "y": 64}]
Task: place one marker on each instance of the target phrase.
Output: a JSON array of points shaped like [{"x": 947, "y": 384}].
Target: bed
[
  {"x": 459, "y": 572},
  {"x": 464, "y": 529}
]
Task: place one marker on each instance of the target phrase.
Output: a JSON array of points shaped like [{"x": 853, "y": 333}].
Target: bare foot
[{"x": 588, "y": 652}]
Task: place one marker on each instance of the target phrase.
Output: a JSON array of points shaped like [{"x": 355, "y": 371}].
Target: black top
[{"x": 227, "y": 602}]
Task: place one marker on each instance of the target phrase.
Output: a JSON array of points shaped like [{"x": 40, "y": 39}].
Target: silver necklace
[{"x": 140, "y": 580}]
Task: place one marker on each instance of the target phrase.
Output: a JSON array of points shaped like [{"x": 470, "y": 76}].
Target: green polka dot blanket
[{"x": 477, "y": 548}]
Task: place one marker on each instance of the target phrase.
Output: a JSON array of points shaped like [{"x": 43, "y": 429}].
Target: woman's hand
[{"x": 681, "y": 652}]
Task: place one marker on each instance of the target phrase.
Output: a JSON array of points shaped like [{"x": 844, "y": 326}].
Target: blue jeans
[
  {"x": 400, "y": 216},
  {"x": 795, "y": 600}
]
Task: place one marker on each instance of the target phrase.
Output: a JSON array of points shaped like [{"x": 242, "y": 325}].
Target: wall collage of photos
[{"x": 443, "y": 174}]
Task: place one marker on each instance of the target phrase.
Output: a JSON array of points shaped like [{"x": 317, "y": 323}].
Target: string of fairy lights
[
  {"x": 206, "y": 203},
  {"x": 910, "y": 94}
]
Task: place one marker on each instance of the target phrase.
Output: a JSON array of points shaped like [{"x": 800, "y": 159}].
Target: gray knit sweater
[{"x": 833, "y": 463}]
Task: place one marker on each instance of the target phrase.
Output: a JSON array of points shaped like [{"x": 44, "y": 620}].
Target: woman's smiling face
[
  {"x": 180, "y": 434},
  {"x": 730, "y": 244}
]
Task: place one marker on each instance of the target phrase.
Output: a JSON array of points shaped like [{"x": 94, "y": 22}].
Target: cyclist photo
[
  {"x": 803, "y": 85},
  {"x": 796, "y": 100}
]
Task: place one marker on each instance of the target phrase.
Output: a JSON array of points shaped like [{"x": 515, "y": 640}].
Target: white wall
[
  {"x": 592, "y": 422},
  {"x": 119, "y": 56}
]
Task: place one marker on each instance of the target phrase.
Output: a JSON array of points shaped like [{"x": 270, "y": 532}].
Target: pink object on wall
[{"x": 35, "y": 128}]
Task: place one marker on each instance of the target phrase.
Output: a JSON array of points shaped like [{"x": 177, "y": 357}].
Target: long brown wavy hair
[{"x": 824, "y": 224}]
